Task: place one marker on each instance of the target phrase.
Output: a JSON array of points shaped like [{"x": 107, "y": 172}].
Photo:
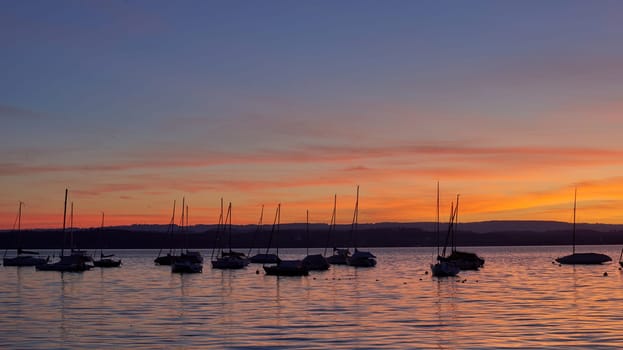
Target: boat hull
[
  {"x": 228, "y": 263},
  {"x": 264, "y": 259},
  {"x": 362, "y": 259},
  {"x": 107, "y": 263},
  {"x": 24, "y": 260},
  {"x": 464, "y": 260},
  {"x": 316, "y": 262},
  {"x": 444, "y": 269},
  {"x": 287, "y": 268},
  {"x": 584, "y": 259},
  {"x": 165, "y": 259},
  {"x": 186, "y": 267},
  {"x": 68, "y": 263}
]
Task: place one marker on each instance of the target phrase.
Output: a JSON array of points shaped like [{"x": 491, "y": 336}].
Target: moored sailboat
[
  {"x": 359, "y": 258},
  {"x": 316, "y": 262},
  {"x": 284, "y": 267},
  {"x": 266, "y": 257},
  {"x": 443, "y": 268},
  {"x": 464, "y": 260},
  {"x": 581, "y": 258},
  {"x": 76, "y": 261},
  {"x": 229, "y": 259},
  {"x": 105, "y": 260},
  {"x": 340, "y": 255},
  {"x": 170, "y": 257},
  {"x": 23, "y": 257},
  {"x": 188, "y": 261}
]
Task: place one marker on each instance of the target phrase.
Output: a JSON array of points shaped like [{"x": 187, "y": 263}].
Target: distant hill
[
  {"x": 294, "y": 235},
  {"x": 475, "y": 227}
]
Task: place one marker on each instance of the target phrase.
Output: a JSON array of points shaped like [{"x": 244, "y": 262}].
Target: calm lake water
[{"x": 519, "y": 300}]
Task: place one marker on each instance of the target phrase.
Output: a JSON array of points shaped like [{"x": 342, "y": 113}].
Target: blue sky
[{"x": 128, "y": 99}]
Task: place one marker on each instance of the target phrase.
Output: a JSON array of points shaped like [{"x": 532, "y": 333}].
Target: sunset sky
[{"x": 134, "y": 104}]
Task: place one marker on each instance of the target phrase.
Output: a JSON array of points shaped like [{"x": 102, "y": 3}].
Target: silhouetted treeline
[{"x": 244, "y": 237}]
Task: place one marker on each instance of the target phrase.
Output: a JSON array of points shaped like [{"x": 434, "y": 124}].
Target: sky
[{"x": 133, "y": 105}]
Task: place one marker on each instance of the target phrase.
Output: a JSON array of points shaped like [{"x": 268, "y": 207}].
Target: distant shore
[{"x": 493, "y": 233}]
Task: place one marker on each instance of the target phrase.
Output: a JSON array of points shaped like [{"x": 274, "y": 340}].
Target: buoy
[
  {"x": 605, "y": 274},
  {"x": 426, "y": 272},
  {"x": 257, "y": 272}
]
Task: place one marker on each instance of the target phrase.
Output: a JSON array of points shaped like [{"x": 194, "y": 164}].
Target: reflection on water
[{"x": 519, "y": 300}]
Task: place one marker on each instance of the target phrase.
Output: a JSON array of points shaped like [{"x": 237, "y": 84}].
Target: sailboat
[
  {"x": 187, "y": 262},
  {"x": 443, "y": 268},
  {"x": 105, "y": 259},
  {"x": 581, "y": 258},
  {"x": 359, "y": 258},
  {"x": 464, "y": 260},
  {"x": 264, "y": 258},
  {"x": 192, "y": 256},
  {"x": 316, "y": 262},
  {"x": 24, "y": 257},
  {"x": 229, "y": 259},
  {"x": 340, "y": 255},
  {"x": 170, "y": 257},
  {"x": 284, "y": 267},
  {"x": 76, "y": 261}
]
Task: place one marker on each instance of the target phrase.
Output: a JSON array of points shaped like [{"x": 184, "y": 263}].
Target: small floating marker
[
  {"x": 553, "y": 262},
  {"x": 314, "y": 278},
  {"x": 404, "y": 282},
  {"x": 426, "y": 272},
  {"x": 257, "y": 272},
  {"x": 420, "y": 279},
  {"x": 377, "y": 280},
  {"x": 605, "y": 274}
]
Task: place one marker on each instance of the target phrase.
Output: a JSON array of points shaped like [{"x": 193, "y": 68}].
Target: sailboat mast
[
  {"x": 19, "y": 227},
  {"x": 229, "y": 216},
  {"x": 101, "y": 233},
  {"x": 437, "y": 226},
  {"x": 331, "y": 224},
  {"x": 456, "y": 223},
  {"x": 353, "y": 227},
  {"x": 186, "y": 227},
  {"x": 278, "y": 222},
  {"x": 64, "y": 222},
  {"x": 307, "y": 231},
  {"x": 71, "y": 228},
  {"x": 19, "y": 217},
  {"x": 182, "y": 222},
  {"x": 171, "y": 228},
  {"x": 575, "y": 196}
]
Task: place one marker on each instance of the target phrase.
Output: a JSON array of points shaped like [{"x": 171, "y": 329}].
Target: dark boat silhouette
[
  {"x": 188, "y": 261},
  {"x": 77, "y": 260},
  {"x": 106, "y": 260},
  {"x": 581, "y": 258},
  {"x": 284, "y": 267},
  {"x": 23, "y": 257},
  {"x": 229, "y": 259},
  {"x": 315, "y": 262},
  {"x": 444, "y": 268},
  {"x": 359, "y": 258}
]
